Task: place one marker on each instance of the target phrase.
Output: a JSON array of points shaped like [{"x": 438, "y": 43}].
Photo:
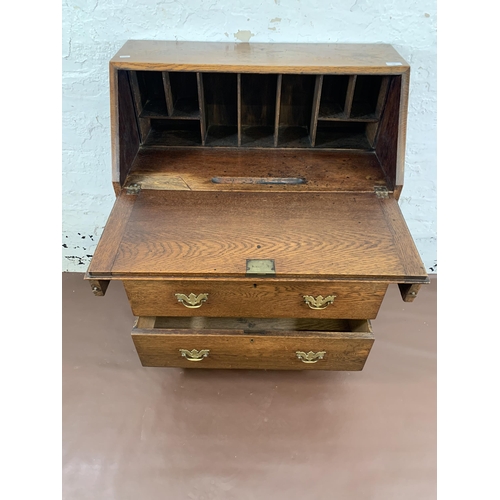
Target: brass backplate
[{"x": 260, "y": 267}]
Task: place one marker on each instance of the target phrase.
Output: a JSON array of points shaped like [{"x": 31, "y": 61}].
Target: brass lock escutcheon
[
  {"x": 194, "y": 355},
  {"x": 192, "y": 301},
  {"x": 319, "y": 302},
  {"x": 310, "y": 357}
]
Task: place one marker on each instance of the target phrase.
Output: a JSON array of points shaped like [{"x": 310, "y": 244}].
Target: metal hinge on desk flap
[
  {"x": 133, "y": 189},
  {"x": 381, "y": 191}
]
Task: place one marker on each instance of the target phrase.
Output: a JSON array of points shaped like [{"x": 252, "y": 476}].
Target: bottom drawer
[{"x": 271, "y": 344}]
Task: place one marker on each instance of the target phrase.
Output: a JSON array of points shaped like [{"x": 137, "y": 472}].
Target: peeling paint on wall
[{"x": 243, "y": 35}]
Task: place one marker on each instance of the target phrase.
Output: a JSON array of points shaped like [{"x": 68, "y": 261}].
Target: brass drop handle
[
  {"x": 194, "y": 355},
  {"x": 192, "y": 301},
  {"x": 310, "y": 357},
  {"x": 319, "y": 302}
]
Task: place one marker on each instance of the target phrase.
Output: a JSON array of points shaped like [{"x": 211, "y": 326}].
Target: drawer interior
[{"x": 273, "y": 326}]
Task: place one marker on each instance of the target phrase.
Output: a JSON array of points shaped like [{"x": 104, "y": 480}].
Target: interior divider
[
  {"x": 203, "y": 114},
  {"x": 143, "y": 124},
  {"x": 277, "y": 113},
  {"x": 349, "y": 96},
  {"x": 168, "y": 92},
  {"x": 315, "y": 111},
  {"x": 238, "y": 93}
]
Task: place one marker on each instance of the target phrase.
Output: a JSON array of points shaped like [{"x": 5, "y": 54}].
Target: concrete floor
[{"x": 164, "y": 433}]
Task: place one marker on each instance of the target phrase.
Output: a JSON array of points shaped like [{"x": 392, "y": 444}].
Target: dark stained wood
[
  {"x": 99, "y": 287},
  {"x": 310, "y": 235},
  {"x": 409, "y": 292},
  {"x": 194, "y": 169},
  {"x": 242, "y": 348},
  {"x": 143, "y": 123},
  {"x": 203, "y": 114},
  {"x": 238, "y": 82},
  {"x": 258, "y": 109},
  {"x": 105, "y": 253},
  {"x": 387, "y": 140},
  {"x": 315, "y": 112},
  {"x": 278, "y": 107},
  {"x": 349, "y": 95},
  {"x": 128, "y": 138},
  {"x": 313, "y": 58},
  {"x": 256, "y": 298},
  {"x": 168, "y": 92},
  {"x": 295, "y": 111},
  {"x": 221, "y": 105}
]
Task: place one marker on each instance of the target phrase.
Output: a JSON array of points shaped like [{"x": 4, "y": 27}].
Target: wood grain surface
[
  {"x": 105, "y": 253},
  {"x": 194, "y": 169},
  {"x": 259, "y": 57},
  {"x": 258, "y": 298},
  {"x": 212, "y": 234},
  {"x": 274, "y": 349}
]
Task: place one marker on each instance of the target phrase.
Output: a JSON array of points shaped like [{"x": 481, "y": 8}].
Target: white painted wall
[{"x": 93, "y": 30}]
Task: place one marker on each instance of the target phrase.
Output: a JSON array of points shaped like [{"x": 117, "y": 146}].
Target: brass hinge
[
  {"x": 133, "y": 189},
  {"x": 381, "y": 191}
]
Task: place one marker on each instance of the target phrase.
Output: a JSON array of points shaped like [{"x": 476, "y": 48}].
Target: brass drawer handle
[
  {"x": 310, "y": 357},
  {"x": 319, "y": 302},
  {"x": 194, "y": 355},
  {"x": 192, "y": 301}
]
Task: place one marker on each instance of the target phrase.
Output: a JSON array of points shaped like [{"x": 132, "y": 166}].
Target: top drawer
[{"x": 255, "y": 298}]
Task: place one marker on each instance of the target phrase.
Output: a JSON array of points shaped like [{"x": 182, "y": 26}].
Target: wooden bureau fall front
[{"x": 256, "y": 222}]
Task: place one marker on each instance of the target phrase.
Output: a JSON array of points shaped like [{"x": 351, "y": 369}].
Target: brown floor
[{"x": 164, "y": 433}]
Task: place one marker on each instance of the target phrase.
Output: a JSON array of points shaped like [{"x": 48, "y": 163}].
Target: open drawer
[{"x": 276, "y": 344}]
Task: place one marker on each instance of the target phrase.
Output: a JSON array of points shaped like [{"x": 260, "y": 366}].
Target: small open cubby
[
  {"x": 250, "y": 110},
  {"x": 257, "y": 95}
]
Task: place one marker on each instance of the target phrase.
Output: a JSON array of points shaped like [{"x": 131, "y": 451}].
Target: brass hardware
[
  {"x": 310, "y": 357},
  {"x": 194, "y": 355},
  {"x": 319, "y": 302},
  {"x": 256, "y": 267},
  {"x": 133, "y": 189},
  {"x": 192, "y": 301},
  {"x": 381, "y": 191},
  {"x": 258, "y": 180}
]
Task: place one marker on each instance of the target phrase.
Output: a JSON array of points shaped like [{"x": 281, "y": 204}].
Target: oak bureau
[{"x": 256, "y": 221}]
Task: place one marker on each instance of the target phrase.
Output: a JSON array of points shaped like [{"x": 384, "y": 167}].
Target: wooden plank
[
  {"x": 143, "y": 123},
  {"x": 315, "y": 112},
  {"x": 201, "y": 101},
  {"x": 168, "y": 92},
  {"x": 387, "y": 140},
  {"x": 403, "y": 118},
  {"x": 255, "y": 298},
  {"x": 320, "y": 235},
  {"x": 349, "y": 95},
  {"x": 310, "y": 58},
  {"x": 403, "y": 243},
  {"x": 278, "y": 107},
  {"x": 105, "y": 253},
  {"x": 183, "y": 169},
  {"x": 233, "y": 349},
  {"x": 239, "y": 107},
  {"x": 372, "y": 128}
]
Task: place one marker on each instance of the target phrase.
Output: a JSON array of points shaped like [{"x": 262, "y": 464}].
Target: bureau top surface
[
  {"x": 259, "y": 57},
  {"x": 212, "y": 234}
]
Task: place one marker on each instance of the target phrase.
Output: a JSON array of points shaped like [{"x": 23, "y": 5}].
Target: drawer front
[
  {"x": 253, "y": 298},
  {"x": 284, "y": 350}
]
